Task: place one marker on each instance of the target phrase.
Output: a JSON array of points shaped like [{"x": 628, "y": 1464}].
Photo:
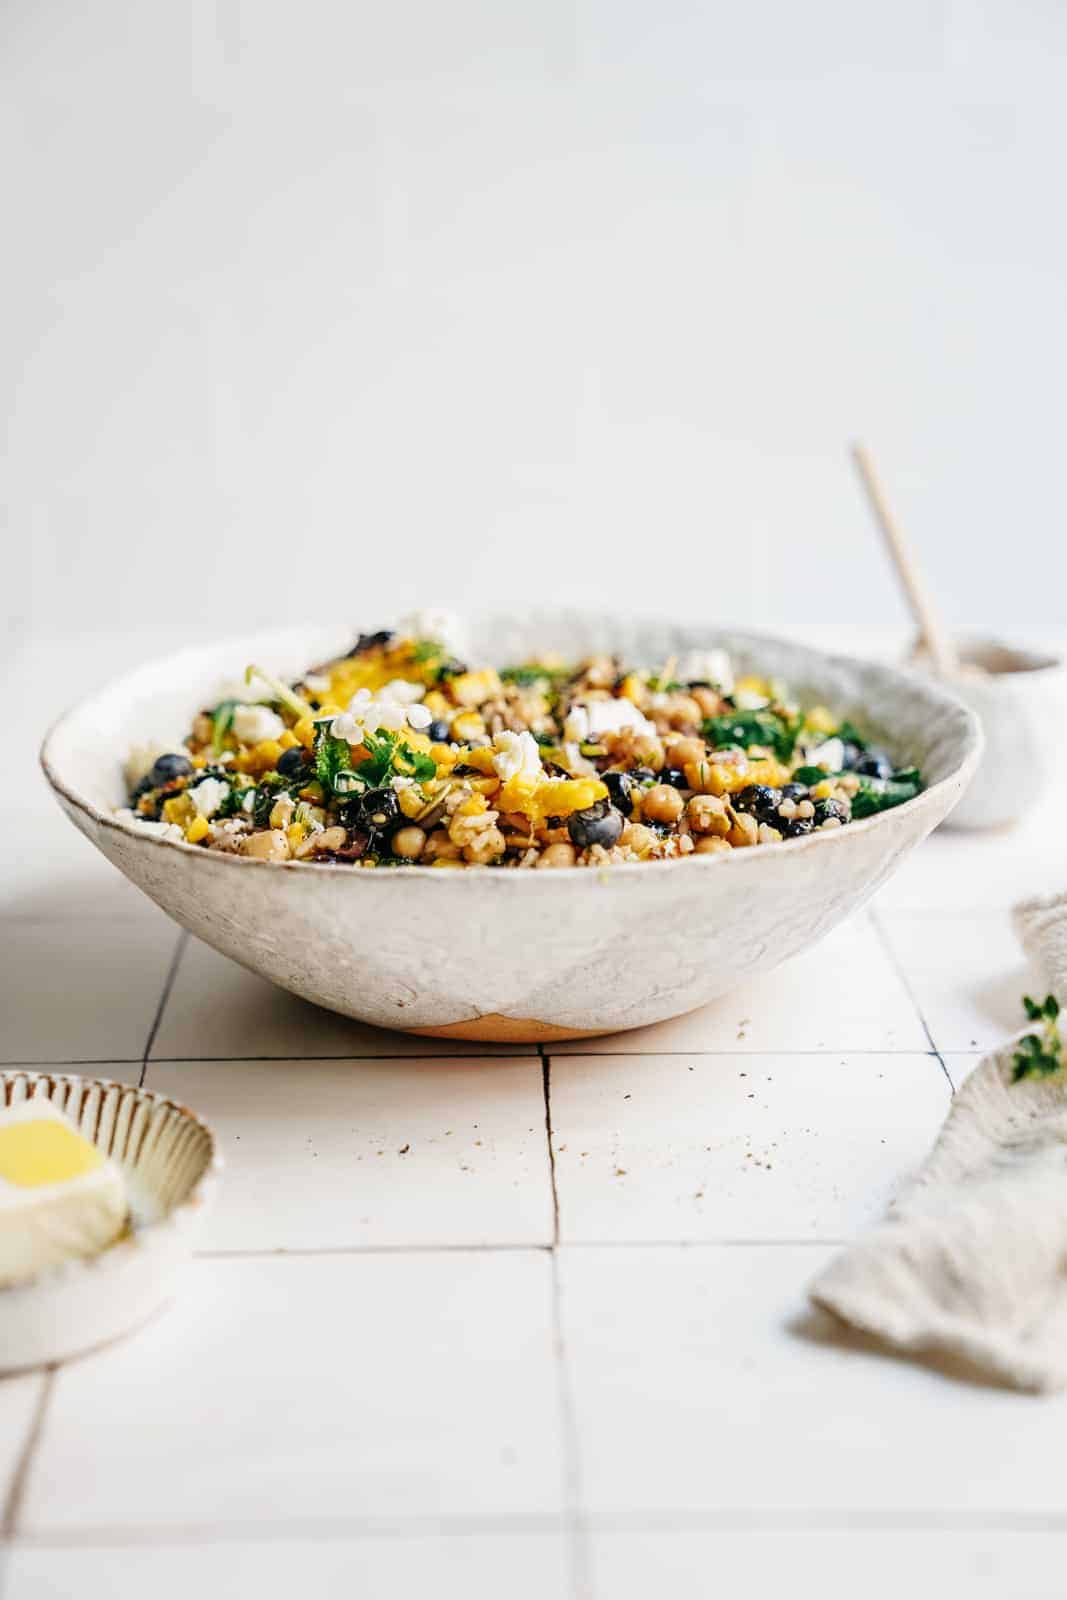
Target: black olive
[
  {"x": 166, "y": 768},
  {"x": 371, "y": 641},
  {"x": 795, "y": 827},
  {"x": 826, "y": 810},
  {"x": 620, "y": 791},
  {"x": 439, "y": 731},
  {"x": 874, "y": 764},
  {"x": 643, "y": 775},
  {"x": 674, "y": 776},
  {"x": 852, "y": 753},
  {"x": 463, "y": 769},
  {"x": 292, "y": 762},
  {"x": 599, "y": 824},
  {"x": 376, "y": 812},
  {"x": 794, "y": 791},
  {"x": 757, "y": 798}
]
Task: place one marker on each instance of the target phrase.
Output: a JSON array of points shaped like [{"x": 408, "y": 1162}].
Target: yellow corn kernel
[
  {"x": 634, "y": 689},
  {"x": 481, "y": 759},
  {"x": 472, "y": 807},
  {"x": 519, "y": 794},
  {"x": 295, "y": 834},
  {"x": 179, "y": 808},
  {"x": 436, "y": 704},
  {"x": 314, "y": 792},
  {"x": 445, "y": 758},
  {"x": 288, "y": 740},
  {"x": 467, "y": 725},
  {"x": 198, "y": 829},
  {"x": 305, "y": 732},
  {"x": 823, "y": 790},
  {"x": 471, "y": 688},
  {"x": 753, "y": 685},
  {"x": 766, "y": 771},
  {"x": 558, "y": 797},
  {"x": 821, "y": 720},
  {"x": 411, "y": 802},
  {"x": 264, "y": 756}
]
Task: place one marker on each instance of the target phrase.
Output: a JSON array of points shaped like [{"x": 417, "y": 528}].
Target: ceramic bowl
[
  {"x": 1020, "y": 698},
  {"x": 516, "y": 955},
  {"x": 168, "y": 1159}
]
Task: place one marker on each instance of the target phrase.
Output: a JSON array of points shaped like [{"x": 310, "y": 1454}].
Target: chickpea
[
  {"x": 769, "y": 835},
  {"x": 272, "y": 846},
  {"x": 682, "y": 751},
  {"x": 711, "y": 845},
  {"x": 558, "y": 855},
  {"x": 409, "y": 843},
  {"x": 662, "y": 804},
  {"x": 281, "y": 813},
  {"x": 639, "y": 838},
  {"x": 684, "y": 712},
  {"x": 745, "y": 830},
  {"x": 707, "y": 814},
  {"x": 489, "y": 846},
  {"x": 439, "y": 847},
  {"x": 707, "y": 700}
]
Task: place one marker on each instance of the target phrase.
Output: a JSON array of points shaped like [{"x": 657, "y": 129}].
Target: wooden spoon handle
[{"x": 931, "y": 628}]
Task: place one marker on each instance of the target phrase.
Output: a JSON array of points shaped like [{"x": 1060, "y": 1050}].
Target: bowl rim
[
  {"x": 133, "y": 1240},
  {"x": 931, "y": 688}
]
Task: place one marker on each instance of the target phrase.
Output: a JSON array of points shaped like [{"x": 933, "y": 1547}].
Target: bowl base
[{"x": 493, "y": 1028}]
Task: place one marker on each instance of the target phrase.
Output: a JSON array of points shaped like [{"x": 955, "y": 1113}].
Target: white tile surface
[
  {"x": 702, "y": 1385},
  {"x": 80, "y": 990},
  {"x": 327, "y": 1388},
  {"x": 448, "y": 1566},
  {"x": 19, "y": 1399},
  {"x": 843, "y": 994},
  {"x": 967, "y": 972},
  {"x": 834, "y": 1566},
  {"x": 754, "y": 1147},
  {"x": 216, "y": 1009},
  {"x": 338, "y": 1154}
]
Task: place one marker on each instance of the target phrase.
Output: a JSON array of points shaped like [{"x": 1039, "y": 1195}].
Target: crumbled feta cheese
[
  {"x": 403, "y": 692},
  {"x": 161, "y": 830},
  {"x": 707, "y": 666},
  {"x": 248, "y": 801},
  {"x": 208, "y": 795},
  {"x": 517, "y": 756},
  {"x": 441, "y": 626},
  {"x": 750, "y": 700},
  {"x": 317, "y": 682},
  {"x": 590, "y": 720},
  {"x": 830, "y": 755},
  {"x": 367, "y": 715},
  {"x": 251, "y": 724}
]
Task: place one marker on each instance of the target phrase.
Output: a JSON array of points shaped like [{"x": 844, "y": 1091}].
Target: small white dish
[
  {"x": 168, "y": 1159},
  {"x": 1020, "y": 698}
]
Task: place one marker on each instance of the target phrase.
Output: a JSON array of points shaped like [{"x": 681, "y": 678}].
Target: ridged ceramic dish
[
  {"x": 512, "y": 955},
  {"x": 168, "y": 1159}
]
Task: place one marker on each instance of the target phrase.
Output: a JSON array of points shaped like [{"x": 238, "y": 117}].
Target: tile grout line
[
  {"x": 16, "y": 1062},
  {"x": 168, "y": 984},
  {"x": 16, "y": 1493},
  {"x": 577, "y": 1535},
  {"x": 513, "y": 1247},
  {"x": 891, "y": 956}
]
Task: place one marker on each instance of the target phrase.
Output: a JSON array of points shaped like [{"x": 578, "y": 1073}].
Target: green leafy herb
[
  {"x": 809, "y": 775},
  {"x": 747, "y": 728},
  {"x": 221, "y": 723},
  {"x": 232, "y": 801},
  {"x": 390, "y": 756},
  {"x": 331, "y": 756},
  {"x": 1039, "y": 1057},
  {"x": 881, "y": 794},
  {"x": 269, "y": 789}
]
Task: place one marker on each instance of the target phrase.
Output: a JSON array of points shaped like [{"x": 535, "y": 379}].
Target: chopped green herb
[
  {"x": 851, "y": 735},
  {"x": 1039, "y": 1057},
  {"x": 809, "y": 775},
  {"x": 221, "y": 723}
]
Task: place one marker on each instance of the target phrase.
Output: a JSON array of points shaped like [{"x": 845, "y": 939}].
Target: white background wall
[{"x": 330, "y": 307}]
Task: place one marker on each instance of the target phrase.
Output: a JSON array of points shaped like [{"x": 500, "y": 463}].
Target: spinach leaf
[
  {"x": 331, "y": 756},
  {"x": 881, "y": 794},
  {"x": 747, "y": 728}
]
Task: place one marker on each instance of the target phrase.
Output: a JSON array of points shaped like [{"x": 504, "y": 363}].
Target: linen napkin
[{"x": 971, "y": 1260}]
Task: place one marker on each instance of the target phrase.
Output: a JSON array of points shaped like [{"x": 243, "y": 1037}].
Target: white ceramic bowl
[
  {"x": 167, "y": 1157},
  {"x": 1020, "y": 698},
  {"x": 494, "y": 954}
]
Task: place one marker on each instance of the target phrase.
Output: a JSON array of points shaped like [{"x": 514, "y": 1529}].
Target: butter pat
[{"x": 60, "y": 1197}]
